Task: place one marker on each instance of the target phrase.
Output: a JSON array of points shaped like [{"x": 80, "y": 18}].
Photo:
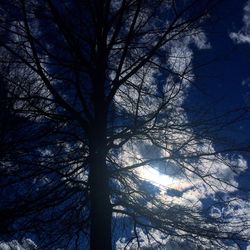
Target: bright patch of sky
[
  {"x": 218, "y": 173},
  {"x": 26, "y": 244}
]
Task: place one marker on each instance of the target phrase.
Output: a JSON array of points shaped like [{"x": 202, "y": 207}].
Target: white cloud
[
  {"x": 194, "y": 180},
  {"x": 26, "y": 244},
  {"x": 246, "y": 90},
  {"x": 246, "y": 82},
  {"x": 243, "y": 35}
]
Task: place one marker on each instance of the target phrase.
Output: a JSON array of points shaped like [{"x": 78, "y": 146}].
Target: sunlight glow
[
  {"x": 163, "y": 181},
  {"x": 155, "y": 177}
]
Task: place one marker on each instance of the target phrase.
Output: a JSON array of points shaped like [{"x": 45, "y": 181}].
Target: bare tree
[{"x": 100, "y": 86}]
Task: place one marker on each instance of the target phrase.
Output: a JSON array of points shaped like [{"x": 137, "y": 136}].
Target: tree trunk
[
  {"x": 101, "y": 211},
  {"x": 101, "y": 214}
]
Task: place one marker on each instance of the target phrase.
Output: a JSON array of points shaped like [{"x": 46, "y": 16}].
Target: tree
[{"x": 100, "y": 86}]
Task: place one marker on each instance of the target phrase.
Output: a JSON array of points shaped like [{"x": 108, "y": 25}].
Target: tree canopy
[{"x": 98, "y": 147}]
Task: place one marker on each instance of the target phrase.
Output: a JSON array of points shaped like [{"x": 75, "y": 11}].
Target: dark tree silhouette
[{"x": 94, "y": 94}]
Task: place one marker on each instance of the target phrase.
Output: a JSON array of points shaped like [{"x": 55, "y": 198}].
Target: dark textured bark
[
  {"x": 101, "y": 214},
  {"x": 100, "y": 204}
]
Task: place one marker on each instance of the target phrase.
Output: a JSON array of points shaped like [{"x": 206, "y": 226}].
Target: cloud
[
  {"x": 246, "y": 82},
  {"x": 215, "y": 172},
  {"x": 190, "y": 169},
  {"x": 26, "y": 244},
  {"x": 243, "y": 35},
  {"x": 181, "y": 53}
]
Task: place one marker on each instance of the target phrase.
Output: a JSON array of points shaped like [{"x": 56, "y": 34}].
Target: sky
[
  {"x": 224, "y": 76},
  {"x": 224, "y": 81}
]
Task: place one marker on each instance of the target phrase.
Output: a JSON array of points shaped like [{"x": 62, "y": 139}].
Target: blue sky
[
  {"x": 232, "y": 61},
  {"x": 223, "y": 83}
]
